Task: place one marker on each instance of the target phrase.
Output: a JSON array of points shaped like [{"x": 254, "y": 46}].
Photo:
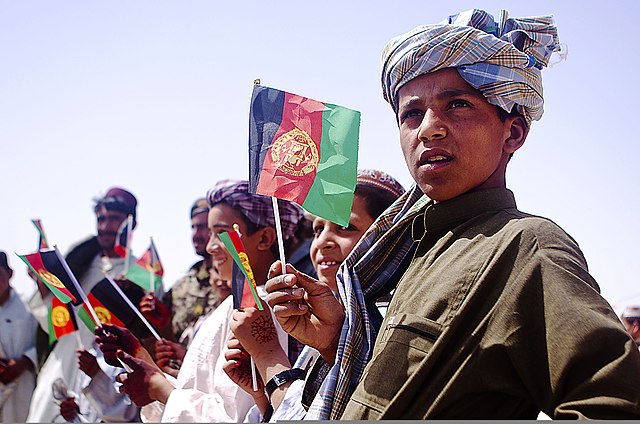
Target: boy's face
[{"x": 452, "y": 139}]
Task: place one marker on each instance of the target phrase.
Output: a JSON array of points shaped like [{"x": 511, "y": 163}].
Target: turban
[
  {"x": 501, "y": 59},
  {"x": 199, "y": 206},
  {"x": 381, "y": 180},
  {"x": 255, "y": 207},
  {"x": 119, "y": 199}
]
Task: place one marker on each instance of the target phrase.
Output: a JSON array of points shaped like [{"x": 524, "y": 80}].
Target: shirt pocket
[{"x": 404, "y": 342}]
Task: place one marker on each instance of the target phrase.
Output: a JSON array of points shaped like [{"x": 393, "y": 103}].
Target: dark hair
[
  {"x": 252, "y": 227},
  {"x": 376, "y": 200},
  {"x": 503, "y": 114}
]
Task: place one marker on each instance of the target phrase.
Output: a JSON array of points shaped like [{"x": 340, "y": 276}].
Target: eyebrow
[{"x": 443, "y": 95}]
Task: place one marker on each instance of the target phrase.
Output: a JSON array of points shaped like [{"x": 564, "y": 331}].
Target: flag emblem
[
  {"x": 295, "y": 153},
  {"x": 103, "y": 314},
  {"x": 60, "y": 316},
  {"x": 245, "y": 263},
  {"x": 50, "y": 278}
]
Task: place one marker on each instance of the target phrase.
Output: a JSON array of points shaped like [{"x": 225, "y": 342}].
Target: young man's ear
[
  {"x": 516, "y": 133},
  {"x": 268, "y": 236}
]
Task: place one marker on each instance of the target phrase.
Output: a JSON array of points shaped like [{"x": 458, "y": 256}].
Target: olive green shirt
[{"x": 497, "y": 317}]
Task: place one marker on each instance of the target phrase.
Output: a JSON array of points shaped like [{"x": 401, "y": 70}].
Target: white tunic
[
  {"x": 17, "y": 339},
  {"x": 63, "y": 360},
  {"x": 204, "y": 392}
]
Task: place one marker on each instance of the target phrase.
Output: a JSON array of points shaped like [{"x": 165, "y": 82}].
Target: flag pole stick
[
  {"x": 126, "y": 299},
  {"x": 127, "y": 257},
  {"x": 276, "y": 214},
  {"x": 83, "y": 296}
]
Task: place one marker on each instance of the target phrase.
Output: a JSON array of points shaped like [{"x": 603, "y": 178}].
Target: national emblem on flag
[
  {"x": 304, "y": 151},
  {"x": 111, "y": 308},
  {"x": 48, "y": 266},
  {"x": 62, "y": 320}
]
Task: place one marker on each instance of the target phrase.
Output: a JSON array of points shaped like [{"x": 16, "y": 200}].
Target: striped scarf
[
  {"x": 501, "y": 59},
  {"x": 372, "y": 269}
]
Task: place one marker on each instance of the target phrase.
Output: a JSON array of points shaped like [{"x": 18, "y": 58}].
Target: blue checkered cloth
[{"x": 500, "y": 58}]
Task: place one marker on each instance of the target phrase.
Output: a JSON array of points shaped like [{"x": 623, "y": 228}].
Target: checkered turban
[
  {"x": 501, "y": 59},
  {"x": 255, "y": 207}
]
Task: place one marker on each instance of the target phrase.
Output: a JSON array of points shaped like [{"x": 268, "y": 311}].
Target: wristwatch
[{"x": 282, "y": 378}]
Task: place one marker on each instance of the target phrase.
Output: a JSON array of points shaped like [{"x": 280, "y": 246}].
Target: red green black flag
[
  {"x": 42, "y": 239},
  {"x": 243, "y": 283},
  {"x": 50, "y": 270},
  {"x": 62, "y": 320},
  {"x": 304, "y": 151},
  {"x": 111, "y": 308}
]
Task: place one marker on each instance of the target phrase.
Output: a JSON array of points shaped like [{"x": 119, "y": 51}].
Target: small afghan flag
[
  {"x": 122, "y": 246},
  {"x": 143, "y": 278},
  {"x": 243, "y": 284},
  {"x": 109, "y": 305},
  {"x": 42, "y": 239},
  {"x": 50, "y": 270},
  {"x": 304, "y": 151},
  {"x": 151, "y": 261},
  {"x": 62, "y": 320}
]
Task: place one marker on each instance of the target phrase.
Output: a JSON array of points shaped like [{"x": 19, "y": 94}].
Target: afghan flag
[
  {"x": 243, "y": 284},
  {"x": 62, "y": 320},
  {"x": 151, "y": 261},
  {"x": 42, "y": 239},
  {"x": 109, "y": 305},
  {"x": 122, "y": 246},
  {"x": 51, "y": 271},
  {"x": 304, "y": 151},
  {"x": 148, "y": 281}
]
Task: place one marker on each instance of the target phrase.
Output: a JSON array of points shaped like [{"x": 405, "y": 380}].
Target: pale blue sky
[{"x": 154, "y": 96}]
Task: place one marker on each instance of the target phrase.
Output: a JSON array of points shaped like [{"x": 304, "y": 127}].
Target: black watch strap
[{"x": 282, "y": 378}]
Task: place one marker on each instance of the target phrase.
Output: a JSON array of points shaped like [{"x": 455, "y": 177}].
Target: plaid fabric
[
  {"x": 502, "y": 59},
  {"x": 370, "y": 271},
  {"x": 255, "y": 207}
]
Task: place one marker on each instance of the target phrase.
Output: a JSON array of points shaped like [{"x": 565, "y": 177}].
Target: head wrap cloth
[
  {"x": 501, "y": 59},
  {"x": 256, "y": 208}
]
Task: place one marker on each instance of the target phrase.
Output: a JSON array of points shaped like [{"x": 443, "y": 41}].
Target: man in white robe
[
  {"x": 17, "y": 350},
  {"x": 90, "y": 261}
]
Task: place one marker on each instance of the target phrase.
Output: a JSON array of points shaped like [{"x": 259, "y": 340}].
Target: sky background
[{"x": 154, "y": 96}]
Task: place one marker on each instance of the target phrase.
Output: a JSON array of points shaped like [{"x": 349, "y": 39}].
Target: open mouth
[
  {"x": 327, "y": 264},
  {"x": 437, "y": 159}
]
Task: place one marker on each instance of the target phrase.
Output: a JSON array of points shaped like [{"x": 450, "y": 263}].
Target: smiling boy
[{"x": 494, "y": 314}]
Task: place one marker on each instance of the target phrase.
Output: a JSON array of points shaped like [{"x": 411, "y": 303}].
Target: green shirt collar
[{"x": 445, "y": 215}]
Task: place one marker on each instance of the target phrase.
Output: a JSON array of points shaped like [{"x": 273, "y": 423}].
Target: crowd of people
[{"x": 440, "y": 302}]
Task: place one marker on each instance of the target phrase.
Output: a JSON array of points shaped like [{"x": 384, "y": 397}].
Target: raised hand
[
  {"x": 69, "y": 409},
  {"x": 306, "y": 309},
  {"x": 145, "y": 383},
  {"x": 111, "y": 338},
  {"x": 87, "y": 362},
  {"x": 169, "y": 356},
  {"x": 155, "y": 311},
  {"x": 238, "y": 368},
  {"x": 255, "y": 330}
]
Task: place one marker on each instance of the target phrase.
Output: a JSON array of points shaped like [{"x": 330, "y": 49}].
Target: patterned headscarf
[
  {"x": 255, "y": 207},
  {"x": 502, "y": 59},
  {"x": 381, "y": 180}
]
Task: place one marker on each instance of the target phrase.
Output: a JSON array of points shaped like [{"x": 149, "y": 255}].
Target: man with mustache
[{"x": 90, "y": 260}]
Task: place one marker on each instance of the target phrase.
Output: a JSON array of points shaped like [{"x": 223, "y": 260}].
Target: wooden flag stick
[
  {"x": 276, "y": 214},
  {"x": 83, "y": 296},
  {"x": 126, "y": 299}
]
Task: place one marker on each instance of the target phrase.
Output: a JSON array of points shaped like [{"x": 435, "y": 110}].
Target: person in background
[
  {"x": 90, "y": 261},
  {"x": 99, "y": 400},
  {"x": 202, "y": 391},
  {"x": 17, "y": 350},
  {"x": 631, "y": 320},
  {"x": 331, "y": 244}
]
